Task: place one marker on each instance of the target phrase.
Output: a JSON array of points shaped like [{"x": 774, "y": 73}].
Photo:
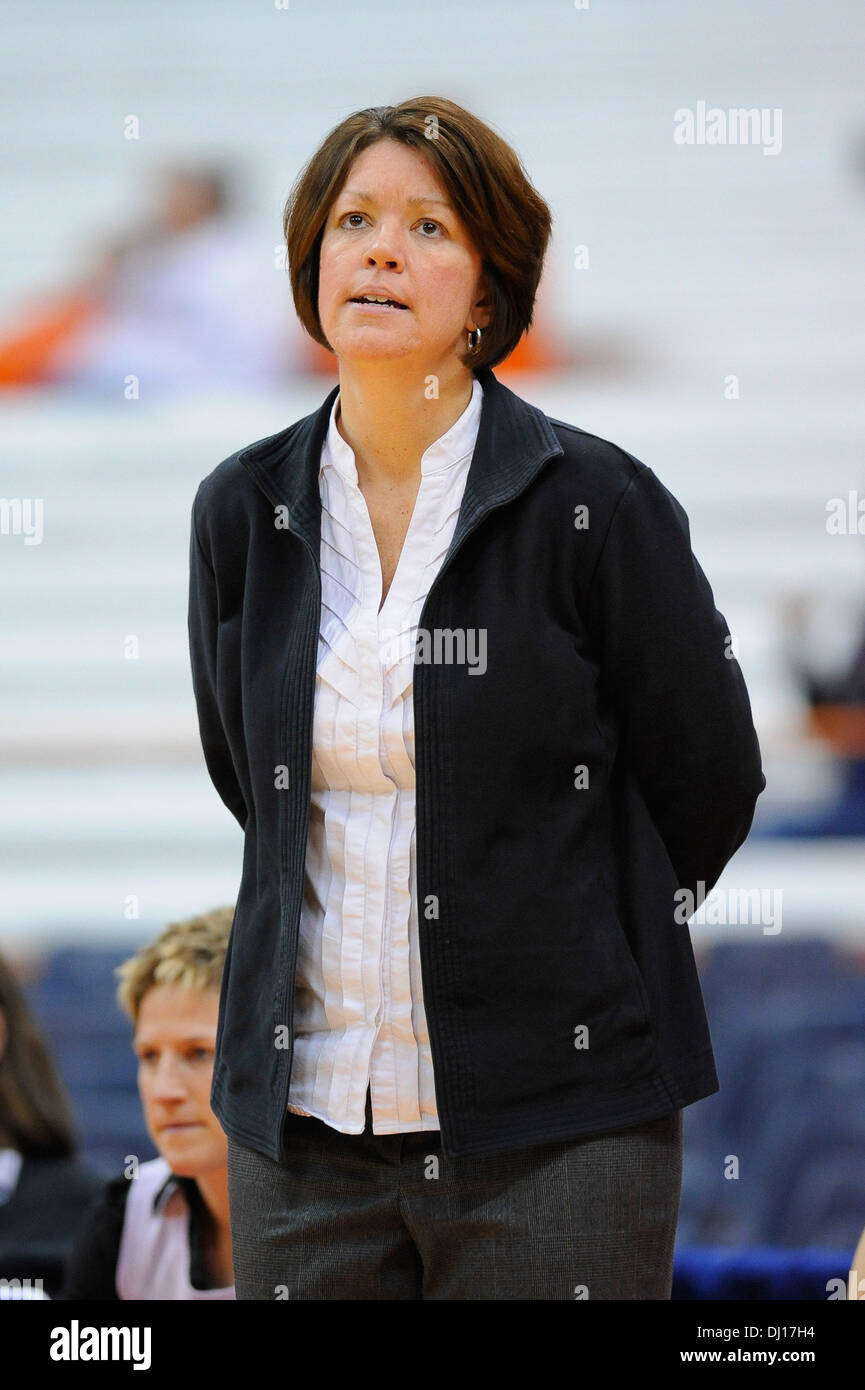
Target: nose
[
  {"x": 166, "y": 1082},
  {"x": 385, "y": 248},
  {"x": 391, "y": 262}
]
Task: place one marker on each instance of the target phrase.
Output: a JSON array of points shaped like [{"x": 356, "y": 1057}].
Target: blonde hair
[{"x": 190, "y": 953}]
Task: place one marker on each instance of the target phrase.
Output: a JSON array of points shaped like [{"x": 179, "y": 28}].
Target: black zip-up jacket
[{"x": 605, "y": 759}]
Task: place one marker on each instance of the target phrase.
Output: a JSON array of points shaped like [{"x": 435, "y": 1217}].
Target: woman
[
  {"x": 161, "y": 1229},
  {"x": 463, "y": 685},
  {"x": 43, "y": 1180}
]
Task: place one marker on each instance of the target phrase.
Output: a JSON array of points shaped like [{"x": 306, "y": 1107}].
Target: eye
[
  {"x": 197, "y": 1053},
  {"x": 347, "y": 216}
]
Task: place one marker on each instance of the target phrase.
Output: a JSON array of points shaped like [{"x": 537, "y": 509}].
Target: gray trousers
[{"x": 387, "y": 1216}]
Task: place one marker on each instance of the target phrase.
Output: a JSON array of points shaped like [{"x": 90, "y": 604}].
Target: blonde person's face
[
  {"x": 419, "y": 250},
  {"x": 175, "y": 1042}
]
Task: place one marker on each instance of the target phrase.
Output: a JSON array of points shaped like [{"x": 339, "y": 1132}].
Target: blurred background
[{"x": 702, "y": 307}]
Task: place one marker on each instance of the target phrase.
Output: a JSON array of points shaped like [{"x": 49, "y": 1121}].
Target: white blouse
[
  {"x": 153, "y": 1258},
  {"x": 359, "y": 1013}
]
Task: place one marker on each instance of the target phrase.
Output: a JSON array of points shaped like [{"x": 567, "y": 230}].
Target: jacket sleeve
[
  {"x": 203, "y": 628},
  {"x": 683, "y": 709}
]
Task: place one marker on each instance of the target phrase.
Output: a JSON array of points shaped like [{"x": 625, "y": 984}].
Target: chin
[
  {"x": 193, "y": 1160},
  {"x": 371, "y": 344},
  {"x": 184, "y": 1165},
  {"x": 186, "y": 1150}
]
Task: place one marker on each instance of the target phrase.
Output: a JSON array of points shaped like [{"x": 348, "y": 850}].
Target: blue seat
[{"x": 788, "y": 1028}]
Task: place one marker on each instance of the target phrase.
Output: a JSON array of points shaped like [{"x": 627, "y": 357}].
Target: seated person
[
  {"x": 43, "y": 1181},
  {"x": 161, "y": 1230}
]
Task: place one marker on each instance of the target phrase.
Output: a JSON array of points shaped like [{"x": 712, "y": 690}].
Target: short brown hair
[
  {"x": 190, "y": 953},
  {"x": 507, "y": 219}
]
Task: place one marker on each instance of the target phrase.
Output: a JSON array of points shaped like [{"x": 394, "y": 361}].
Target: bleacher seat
[{"x": 788, "y": 1026}]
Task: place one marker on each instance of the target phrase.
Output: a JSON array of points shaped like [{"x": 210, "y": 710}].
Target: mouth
[
  {"x": 174, "y": 1129},
  {"x": 377, "y": 305}
]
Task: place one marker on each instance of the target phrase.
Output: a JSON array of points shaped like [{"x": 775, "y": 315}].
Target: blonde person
[
  {"x": 463, "y": 685},
  {"x": 161, "y": 1230}
]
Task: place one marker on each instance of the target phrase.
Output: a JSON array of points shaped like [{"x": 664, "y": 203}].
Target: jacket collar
[
  {"x": 169, "y": 1197},
  {"x": 514, "y": 439}
]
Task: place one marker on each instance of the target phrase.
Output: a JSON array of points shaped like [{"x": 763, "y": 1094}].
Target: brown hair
[
  {"x": 190, "y": 953},
  {"x": 507, "y": 219},
  {"x": 35, "y": 1113}
]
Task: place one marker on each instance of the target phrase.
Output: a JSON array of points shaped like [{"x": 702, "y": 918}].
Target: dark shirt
[
  {"x": 39, "y": 1221},
  {"x": 92, "y": 1263}
]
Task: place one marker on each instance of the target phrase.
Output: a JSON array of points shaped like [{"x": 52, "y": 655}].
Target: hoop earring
[{"x": 477, "y": 334}]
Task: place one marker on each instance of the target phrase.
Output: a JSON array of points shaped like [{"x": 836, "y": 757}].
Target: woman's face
[
  {"x": 392, "y": 225},
  {"x": 175, "y": 1041}
]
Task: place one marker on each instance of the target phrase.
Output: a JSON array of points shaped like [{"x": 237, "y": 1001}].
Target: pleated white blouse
[{"x": 359, "y": 1011}]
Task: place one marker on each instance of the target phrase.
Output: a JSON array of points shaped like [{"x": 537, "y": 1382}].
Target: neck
[{"x": 389, "y": 418}]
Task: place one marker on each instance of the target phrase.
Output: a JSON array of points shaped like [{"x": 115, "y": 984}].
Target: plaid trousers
[{"x": 388, "y": 1216}]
